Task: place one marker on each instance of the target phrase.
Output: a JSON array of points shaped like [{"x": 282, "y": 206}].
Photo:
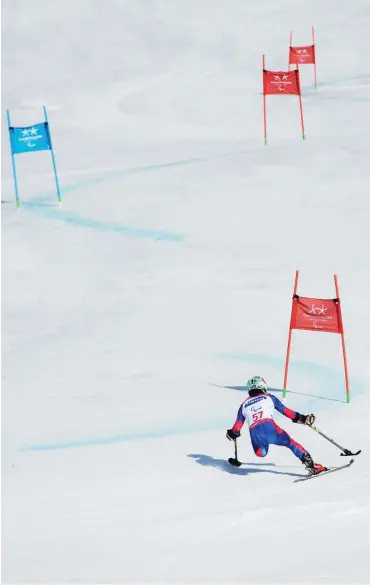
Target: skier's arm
[
  {"x": 234, "y": 433},
  {"x": 240, "y": 420},
  {"x": 294, "y": 416}
]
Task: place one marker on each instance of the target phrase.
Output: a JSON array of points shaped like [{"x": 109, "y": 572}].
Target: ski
[{"x": 330, "y": 470}]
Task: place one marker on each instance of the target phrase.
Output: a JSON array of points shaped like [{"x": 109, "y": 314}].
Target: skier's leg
[
  {"x": 277, "y": 436},
  {"x": 259, "y": 440},
  {"x": 281, "y": 437}
]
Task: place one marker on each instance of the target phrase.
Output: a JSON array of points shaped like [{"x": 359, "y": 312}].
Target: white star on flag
[
  {"x": 318, "y": 310},
  {"x": 277, "y": 77},
  {"x": 25, "y": 132},
  {"x": 33, "y": 131},
  {"x": 285, "y": 77}
]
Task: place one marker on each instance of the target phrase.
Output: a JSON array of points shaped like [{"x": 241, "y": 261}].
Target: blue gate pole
[
  {"x": 52, "y": 156},
  {"x": 13, "y": 162}
]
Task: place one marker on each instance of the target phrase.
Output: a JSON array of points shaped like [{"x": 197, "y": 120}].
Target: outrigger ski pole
[
  {"x": 234, "y": 460},
  {"x": 346, "y": 452}
]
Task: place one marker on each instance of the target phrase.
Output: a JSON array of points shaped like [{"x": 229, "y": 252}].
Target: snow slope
[{"x": 133, "y": 315}]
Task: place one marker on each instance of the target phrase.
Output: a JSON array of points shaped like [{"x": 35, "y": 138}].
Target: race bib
[{"x": 258, "y": 409}]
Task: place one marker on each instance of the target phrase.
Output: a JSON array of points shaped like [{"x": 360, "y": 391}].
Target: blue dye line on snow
[
  {"x": 151, "y": 168},
  {"x": 127, "y": 437},
  {"x": 86, "y": 222},
  {"x": 328, "y": 377},
  {"x": 42, "y": 205}
]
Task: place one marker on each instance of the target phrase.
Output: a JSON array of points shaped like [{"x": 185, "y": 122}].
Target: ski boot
[{"x": 312, "y": 468}]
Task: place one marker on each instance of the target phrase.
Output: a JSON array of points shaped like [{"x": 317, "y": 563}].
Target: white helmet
[{"x": 257, "y": 383}]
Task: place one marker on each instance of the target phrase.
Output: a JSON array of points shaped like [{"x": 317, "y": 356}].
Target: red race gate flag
[
  {"x": 313, "y": 314},
  {"x": 304, "y": 55},
  {"x": 280, "y": 83},
  {"x": 316, "y": 315}
]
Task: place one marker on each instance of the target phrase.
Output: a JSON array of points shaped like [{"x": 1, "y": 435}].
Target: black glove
[
  {"x": 231, "y": 435},
  {"x": 304, "y": 419},
  {"x": 309, "y": 419}
]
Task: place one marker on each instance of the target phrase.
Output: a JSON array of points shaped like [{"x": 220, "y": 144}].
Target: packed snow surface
[{"x": 133, "y": 315}]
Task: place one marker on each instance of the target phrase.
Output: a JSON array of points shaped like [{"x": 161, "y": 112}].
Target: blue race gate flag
[{"x": 31, "y": 139}]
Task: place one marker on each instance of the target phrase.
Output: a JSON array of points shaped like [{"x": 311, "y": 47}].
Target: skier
[{"x": 258, "y": 410}]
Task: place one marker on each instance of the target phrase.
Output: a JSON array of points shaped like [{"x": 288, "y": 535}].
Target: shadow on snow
[{"x": 223, "y": 465}]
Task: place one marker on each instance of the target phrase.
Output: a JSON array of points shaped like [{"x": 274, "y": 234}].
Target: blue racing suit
[{"x": 258, "y": 412}]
